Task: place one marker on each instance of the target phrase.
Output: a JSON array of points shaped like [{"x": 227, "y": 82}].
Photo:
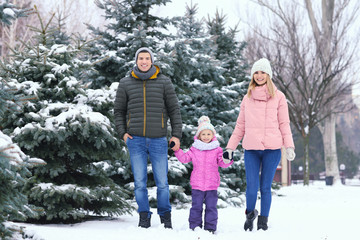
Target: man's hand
[
  {"x": 126, "y": 136},
  {"x": 175, "y": 145}
]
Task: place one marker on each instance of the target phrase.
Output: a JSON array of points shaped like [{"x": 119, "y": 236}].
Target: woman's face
[
  {"x": 144, "y": 61},
  {"x": 206, "y": 135},
  {"x": 260, "y": 77}
]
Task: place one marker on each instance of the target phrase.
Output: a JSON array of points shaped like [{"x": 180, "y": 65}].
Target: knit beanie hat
[
  {"x": 261, "y": 65},
  {"x": 204, "y": 123},
  {"x": 144, "y": 49}
]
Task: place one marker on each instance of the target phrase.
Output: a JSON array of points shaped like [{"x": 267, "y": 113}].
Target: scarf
[
  {"x": 198, "y": 144},
  {"x": 145, "y": 75}
]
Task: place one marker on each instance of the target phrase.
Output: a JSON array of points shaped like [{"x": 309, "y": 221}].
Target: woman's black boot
[
  {"x": 250, "y": 217},
  {"x": 262, "y": 223}
]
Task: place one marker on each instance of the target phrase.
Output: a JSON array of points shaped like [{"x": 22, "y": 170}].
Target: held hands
[
  {"x": 228, "y": 155},
  {"x": 174, "y": 144},
  {"x": 290, "y": 154}
]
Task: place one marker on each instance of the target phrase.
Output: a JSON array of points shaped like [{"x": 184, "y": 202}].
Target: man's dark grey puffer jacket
[{"x": 142, "y": 107}]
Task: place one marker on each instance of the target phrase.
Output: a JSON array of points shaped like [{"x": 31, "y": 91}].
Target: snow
[
  {"x": 10, "y": 12},
  {"x": 298, "y": 212}
]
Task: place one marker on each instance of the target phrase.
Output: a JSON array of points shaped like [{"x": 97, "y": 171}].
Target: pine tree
[
  {"x": 133, "y": 27},
  {"x": 9, "y": 12},
  {"x": 229, "y": 52},
  {"x": 14, "y": 172},
  {"x": 14, "y": 164},
  {"x": 62, "y": 128},
  {"x": 204, "y": 88}
]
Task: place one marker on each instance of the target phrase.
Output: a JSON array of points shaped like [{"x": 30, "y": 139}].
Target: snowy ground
[{"x": 298, "y": 212}]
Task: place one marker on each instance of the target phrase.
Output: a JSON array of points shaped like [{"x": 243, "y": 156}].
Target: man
[{"x": 144, "y": 101}]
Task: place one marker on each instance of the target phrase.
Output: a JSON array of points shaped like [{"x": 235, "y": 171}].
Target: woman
[{"x": 264, "y": 126}]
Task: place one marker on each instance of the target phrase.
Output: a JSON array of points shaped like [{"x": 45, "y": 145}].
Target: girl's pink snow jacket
[
  {"x": 206, "y": 159},
  {"x": 263, "y": 122}
]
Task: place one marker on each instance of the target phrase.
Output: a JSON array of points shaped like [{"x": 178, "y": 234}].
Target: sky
[
  {"x": 91, "y": 14},
  {"x": 314, "y": 212}
]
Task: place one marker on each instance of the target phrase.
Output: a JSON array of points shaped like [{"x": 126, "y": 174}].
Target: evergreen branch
[{"x": 100, "y": 60}]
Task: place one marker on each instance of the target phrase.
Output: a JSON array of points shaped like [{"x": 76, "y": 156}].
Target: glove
[
  {"x": 290, "y": 154},
  {"x": 172, "y": 144},
  {"x": 228, "y": 155}
]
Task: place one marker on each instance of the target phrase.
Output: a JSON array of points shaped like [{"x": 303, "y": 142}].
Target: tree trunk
[
  {"x": 330, "y": 154},
  {"x": 323, "y": 40},
  {"x": 306, "y": 139}
]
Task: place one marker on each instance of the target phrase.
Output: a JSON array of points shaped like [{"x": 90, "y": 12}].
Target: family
[{"x": 144, "y": 102}]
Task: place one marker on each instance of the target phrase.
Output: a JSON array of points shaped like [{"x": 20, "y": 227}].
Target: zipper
[
  {"x": 144, "y": 92},
  {"x": 162, "y": 120},
  {"x": 128, "y": 122}
]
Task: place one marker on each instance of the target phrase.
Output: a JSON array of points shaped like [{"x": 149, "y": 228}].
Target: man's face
[{"x": 144, "y": 61}]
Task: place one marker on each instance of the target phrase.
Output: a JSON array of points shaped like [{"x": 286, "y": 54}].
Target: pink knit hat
[{"x": 204, "y": 123}]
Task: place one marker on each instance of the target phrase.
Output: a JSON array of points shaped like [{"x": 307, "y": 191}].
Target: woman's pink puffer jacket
[{"x": 263, "y": 122}]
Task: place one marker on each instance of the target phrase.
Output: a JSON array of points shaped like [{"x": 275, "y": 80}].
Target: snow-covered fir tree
[
  {"x": 14, "y": 172},
  {"x": 200, "y": 78},
  {"x": 62, "y": 127},
  {"x": 14, "y": 163},
  {"x": 9, "y": 12},
  {"x": 205, "y": 87},
  {"x": 229, "y": 52},
  {"x": 131, "y": 26}
]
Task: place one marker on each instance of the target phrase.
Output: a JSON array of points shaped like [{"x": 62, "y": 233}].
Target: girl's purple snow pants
[{"x": 210, "y": 199}]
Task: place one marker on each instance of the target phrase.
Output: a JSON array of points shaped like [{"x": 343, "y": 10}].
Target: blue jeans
[
  {"x": 156, "y": 149},
  {"x": 266, "y": 162}
]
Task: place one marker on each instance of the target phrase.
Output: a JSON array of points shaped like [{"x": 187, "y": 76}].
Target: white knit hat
[
  {"x": 204, "y": 123},
  {"x": 261, "y": 65},
  {"x": 144, "y": 49}
]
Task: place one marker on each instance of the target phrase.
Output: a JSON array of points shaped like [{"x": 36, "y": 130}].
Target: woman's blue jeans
[
  {"x": 156, "y": 150},
  {"x": 264, "y": 162}
]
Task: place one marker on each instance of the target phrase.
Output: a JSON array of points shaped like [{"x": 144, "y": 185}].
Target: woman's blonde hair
[{"x": 269, "y": 83}]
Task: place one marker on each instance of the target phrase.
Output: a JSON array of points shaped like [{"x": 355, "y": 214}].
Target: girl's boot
[
  {"x": 250, "y": 217},
  {"x": 262, "y": 223}
]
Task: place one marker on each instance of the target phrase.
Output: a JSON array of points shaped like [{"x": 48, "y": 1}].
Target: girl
[
  {"x": 263, "y": 124},
  {"x": 206, "y": 156}
]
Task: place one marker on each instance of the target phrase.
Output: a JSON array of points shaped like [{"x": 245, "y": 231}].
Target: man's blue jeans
[
  {"x": 266, "y": 162},
  {"x": 156, "y": 150}
]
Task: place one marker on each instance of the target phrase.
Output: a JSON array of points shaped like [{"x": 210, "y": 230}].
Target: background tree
[
  {"x": 331, "y": 48},
  {"x": 199, "y": 77},
  {"x": 62, "y": 128},
  {"x": 14, "y": 164},
  {"x": 131, "y": 26},
  {"x": 14, "y": 11},
  {"x": 298, "y": 72}
]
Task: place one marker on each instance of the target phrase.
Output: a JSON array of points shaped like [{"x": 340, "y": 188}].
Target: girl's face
[
  {"x": 260, "y": 78},
  {"x": 206, "y": 135},
  {"x": 144, "y": 61}
]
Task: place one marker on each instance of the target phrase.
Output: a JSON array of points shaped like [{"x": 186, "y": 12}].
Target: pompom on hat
[
  {"x": 144, "y": 49},
  {"x": 204, "y": 123},
  {"x": 261, "y": 65}
]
